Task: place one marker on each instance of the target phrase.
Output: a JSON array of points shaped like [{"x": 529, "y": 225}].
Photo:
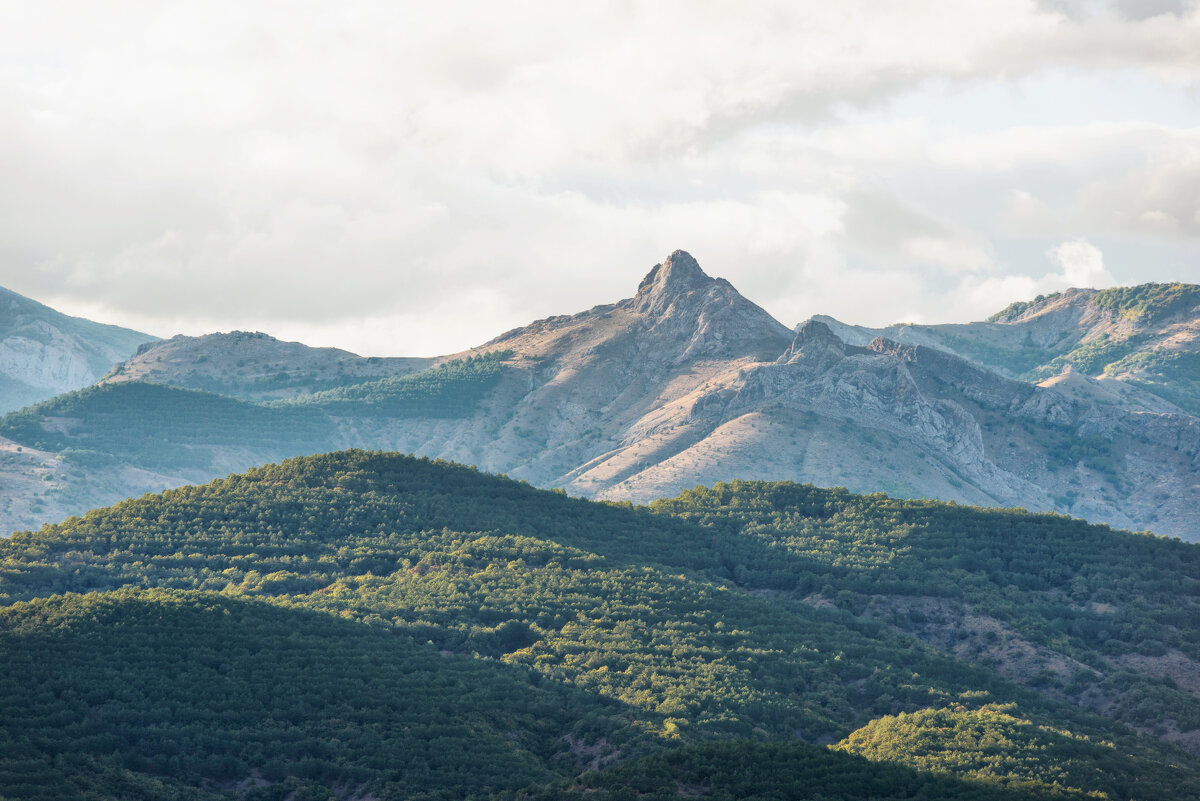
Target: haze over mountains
[{"x": 685, "y": 383}]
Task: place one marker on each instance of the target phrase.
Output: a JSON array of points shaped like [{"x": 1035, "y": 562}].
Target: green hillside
[
  {"x": 755, "y": 771},
  {"x": 205, "y": 689},
  {"x": 1093, "y": 601},
  {"x": 158, "y": 426},
  {"x": 1139, "y": 349},
  {"x": 990, "y": 745},
  {"x": 451, "y": 390},
  {"x": 168, "y": 428},
  {"x": 750, "y": 610},
  {"x": 583, "y": 592}
]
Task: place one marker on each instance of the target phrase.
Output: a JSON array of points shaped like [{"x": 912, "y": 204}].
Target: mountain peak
[{"x": 680, "y": 273}]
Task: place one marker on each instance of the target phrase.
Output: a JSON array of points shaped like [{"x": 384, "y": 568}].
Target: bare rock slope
[
  {"x": 1138, "y": 346},
  {"x": 44, "y": 353}
]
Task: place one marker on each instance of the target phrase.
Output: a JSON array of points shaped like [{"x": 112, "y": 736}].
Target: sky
[{"x": 416, "y": 178}]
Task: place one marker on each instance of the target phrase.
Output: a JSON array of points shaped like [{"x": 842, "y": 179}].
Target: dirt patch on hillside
[
  {"x": 968, "y": 634},
  {"x": 1178, "y": 667}
]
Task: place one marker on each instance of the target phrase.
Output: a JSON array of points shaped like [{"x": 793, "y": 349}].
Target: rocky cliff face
[
  {"x": 917, "y": 422},
  {"x": 580, "y": 388},
  {"x": 44, "y": 353}
]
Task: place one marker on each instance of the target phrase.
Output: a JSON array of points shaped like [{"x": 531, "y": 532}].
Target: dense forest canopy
[{"x": 389, "y": 592}]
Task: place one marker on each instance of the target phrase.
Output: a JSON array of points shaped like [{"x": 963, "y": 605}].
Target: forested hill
[{"x": 530, "y": 636}]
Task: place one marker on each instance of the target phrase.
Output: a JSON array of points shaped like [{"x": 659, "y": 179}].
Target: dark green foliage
[
  {"x": 28, "y": 773},
  {"x": 583, "y": 592},
  {"x": 453, "y": 389},
  {"x": 1015, "y": 564},
  {"x": 697, "y": 618},
  {"x": 203, "y": 688},
  {"x": 1015, "y": 310},
  {"x": 753, "y": 771},
  {"x": 1093, "y": 357},
  {"x": 1172, "y": 375},
  {"x": 1086, "y": 591}
]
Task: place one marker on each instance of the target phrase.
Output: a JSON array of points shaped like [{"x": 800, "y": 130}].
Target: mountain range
[{"x": 1079, "y": 403}]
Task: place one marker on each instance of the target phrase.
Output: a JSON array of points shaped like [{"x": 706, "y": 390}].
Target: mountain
[
  {"x": 44, "y": 353},
  {"x": 372, "y": 625},
  {"x": 253, "y": 366},
  {"x": 578, "y": 403},
  {"x": 1138, "y": 345},
  {"x": 686, "y": 382},
  {"x": 680, "y": 326}
]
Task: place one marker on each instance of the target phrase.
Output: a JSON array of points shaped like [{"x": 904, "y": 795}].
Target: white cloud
[
  {"x": 1079, "y": 264},
  {"x": 1082, "y": 266},
  {"x": 349, "y": 170}
]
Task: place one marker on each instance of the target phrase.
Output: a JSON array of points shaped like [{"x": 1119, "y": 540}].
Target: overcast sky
[{"x": 415, "y": 178}]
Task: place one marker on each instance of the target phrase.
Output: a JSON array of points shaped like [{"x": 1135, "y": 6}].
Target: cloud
[
  {"x": 1082, "y": 266},
  {"x": 404, "y": 178},
  {"x": 1079, "y": 264},
  {"x": 886, "y": 227}
]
